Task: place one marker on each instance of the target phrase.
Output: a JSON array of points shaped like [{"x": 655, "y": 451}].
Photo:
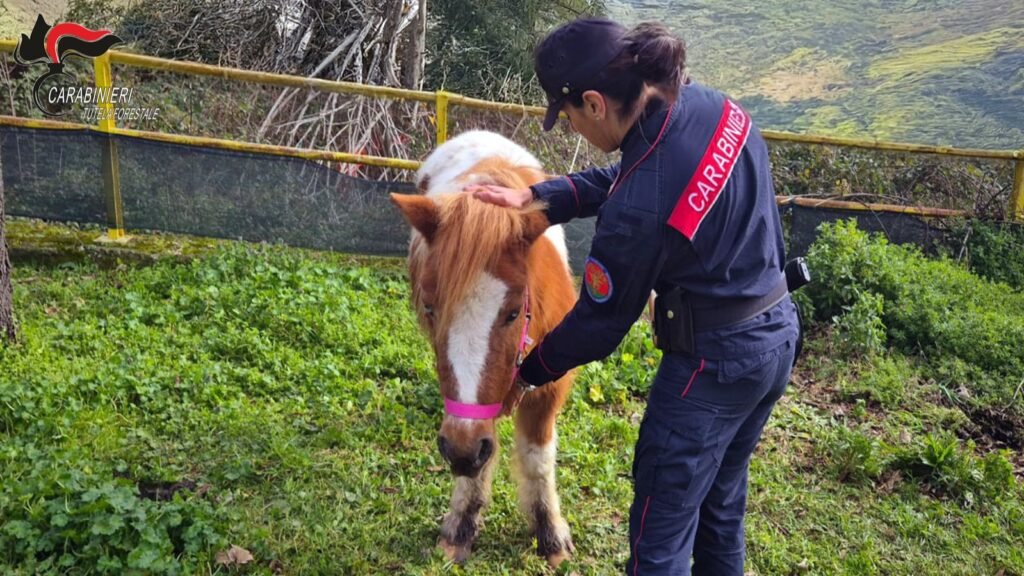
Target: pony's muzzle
[{"x": 466, "y": 463}]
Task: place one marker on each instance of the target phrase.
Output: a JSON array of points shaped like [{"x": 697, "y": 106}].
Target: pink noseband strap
[{"x": 472, "y": 411}]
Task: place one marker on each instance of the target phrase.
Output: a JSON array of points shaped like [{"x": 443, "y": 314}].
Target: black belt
[
  {"x": 713, "y": 313},
  {"x": 678, "y": 315}
]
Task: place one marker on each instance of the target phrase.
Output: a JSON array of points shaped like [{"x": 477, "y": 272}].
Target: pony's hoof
[
  {"x": 454, "y": 552},
  {"x": 557, "y": 550},
  {"x": 556, "y": 559}
]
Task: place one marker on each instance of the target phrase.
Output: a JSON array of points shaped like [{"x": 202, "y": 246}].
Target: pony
[{"x": 487, "y": 283}]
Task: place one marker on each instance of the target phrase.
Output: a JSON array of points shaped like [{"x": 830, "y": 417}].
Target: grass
[{"x": 289, "y": 393}]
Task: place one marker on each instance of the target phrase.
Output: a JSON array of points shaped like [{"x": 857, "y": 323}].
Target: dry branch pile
[{"x": 377, "y": 42}]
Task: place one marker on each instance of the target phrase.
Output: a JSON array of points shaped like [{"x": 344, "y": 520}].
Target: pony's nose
[{"x": 466, "y": 463}]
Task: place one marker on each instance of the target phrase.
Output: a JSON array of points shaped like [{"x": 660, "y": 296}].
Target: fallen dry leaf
[
  {"x": 889, "y": 481},
  {"x": 435, "y": 468},
  {"x": 234, "y": 556}
]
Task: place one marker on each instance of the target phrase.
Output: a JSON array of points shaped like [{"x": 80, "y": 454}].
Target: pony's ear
[
  {"x": 419, "y": 211},
  {"x": 534, "y": 224}
]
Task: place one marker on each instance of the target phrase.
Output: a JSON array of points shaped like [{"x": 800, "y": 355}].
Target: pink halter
[{"x": 489, "y": 411}]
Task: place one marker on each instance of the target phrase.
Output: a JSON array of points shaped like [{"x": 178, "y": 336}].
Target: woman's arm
[
  {"x": 578, "y": 195},
  {"x": 625, "y": 261}
]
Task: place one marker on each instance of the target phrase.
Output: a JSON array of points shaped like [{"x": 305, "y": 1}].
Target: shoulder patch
[
  {"x": 713, "y": 172},
  {"x": 598, "y": 281}
]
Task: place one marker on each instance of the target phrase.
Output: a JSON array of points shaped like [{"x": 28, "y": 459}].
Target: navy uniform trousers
[{"x": 704, "y": 418}]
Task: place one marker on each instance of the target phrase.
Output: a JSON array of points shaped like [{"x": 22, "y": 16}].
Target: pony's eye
[
  {"x": 512, "y": 317},
  {"x": 428, "y": 310}
]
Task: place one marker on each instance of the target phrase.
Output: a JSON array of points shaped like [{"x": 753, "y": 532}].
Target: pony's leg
[
  {"x": 463, "y": 521},
  {"x": 534, "y": 468}
]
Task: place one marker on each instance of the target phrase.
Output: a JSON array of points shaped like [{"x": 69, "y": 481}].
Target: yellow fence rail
[
  {"x": 442, "y": 102},
  {"x": 869, "y": 207}
]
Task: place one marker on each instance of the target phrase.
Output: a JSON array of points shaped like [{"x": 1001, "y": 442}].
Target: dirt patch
[
  {"x": 1002, "y": 426},
  {"x": 997, "y": 429},
  {"x": 165, "y": 491}
]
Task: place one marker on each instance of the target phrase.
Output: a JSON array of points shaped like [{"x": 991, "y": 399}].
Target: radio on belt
[{"x": 797, "y": 273}]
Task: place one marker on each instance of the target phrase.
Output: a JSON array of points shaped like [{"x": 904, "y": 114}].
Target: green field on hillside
[
  {"x": 942, "y": 72},
  {"x": 284, "y": 402}
]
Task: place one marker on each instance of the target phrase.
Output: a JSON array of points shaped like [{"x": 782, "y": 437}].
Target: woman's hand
[{"x": 510, "y": 197}]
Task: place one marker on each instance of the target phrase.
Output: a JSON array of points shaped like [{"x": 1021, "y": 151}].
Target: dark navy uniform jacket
[{"x": 691, "y": 204}]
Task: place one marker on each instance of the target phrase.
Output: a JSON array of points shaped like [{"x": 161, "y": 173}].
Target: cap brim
[{"x": 552, "y": 115}]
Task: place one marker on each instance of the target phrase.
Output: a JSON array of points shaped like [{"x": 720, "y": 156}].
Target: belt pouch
[{"x": 673, "y": 322}]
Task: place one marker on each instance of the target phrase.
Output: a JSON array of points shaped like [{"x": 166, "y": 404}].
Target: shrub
[
  {"x": 994, "y": 251},
  {"x": 936, "y": 307},
  {"x": 854, "y": 456},
  {"x": 951, "y": 468},
  {"x": 884, "y": 382},
  {"x": 627, "y": 373},
  {"x": 860, "y": 329}
]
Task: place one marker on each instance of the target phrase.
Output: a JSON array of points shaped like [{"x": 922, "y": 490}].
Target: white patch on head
[
  {"x": 469, "y": 336},
  {"x": 446, "y": 167},
  {"x": 449, "y": 161}
]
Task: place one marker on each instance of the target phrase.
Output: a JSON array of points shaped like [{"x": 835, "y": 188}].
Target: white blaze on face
[{"x": 470, "y": 335}]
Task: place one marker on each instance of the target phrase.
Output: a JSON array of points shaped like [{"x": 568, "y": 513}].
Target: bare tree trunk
[
  {"x": 389, "y": 41},
  {"x": 7, "y": 332},
  {"x": 413, "y": 56}
]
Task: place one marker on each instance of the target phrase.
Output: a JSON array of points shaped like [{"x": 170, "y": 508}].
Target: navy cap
[{"x": 570, "y": 58}]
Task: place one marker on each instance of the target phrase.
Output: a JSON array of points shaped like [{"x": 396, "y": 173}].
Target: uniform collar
[
  {"x": 643, "y": 132},
  {"x": 641, "y": 136}
]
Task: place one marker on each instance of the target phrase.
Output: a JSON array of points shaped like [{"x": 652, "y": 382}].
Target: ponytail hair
[
  {"x": 651, "y": 55},
  {"x": 659, "y": 57}
]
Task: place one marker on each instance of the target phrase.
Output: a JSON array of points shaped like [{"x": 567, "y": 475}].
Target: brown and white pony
[{"x": 487, "y": 282}]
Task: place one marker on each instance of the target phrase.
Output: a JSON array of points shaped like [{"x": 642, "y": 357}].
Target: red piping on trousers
[
  {"x": 636, "y": 545},
  {"x": 692, "y": 378}
]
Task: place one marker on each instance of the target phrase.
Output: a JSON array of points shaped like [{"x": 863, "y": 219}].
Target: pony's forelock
[{"x": 472, "y": 237}]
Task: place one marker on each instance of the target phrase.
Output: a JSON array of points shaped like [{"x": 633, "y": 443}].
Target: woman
[{"x": 690, "y": 213}]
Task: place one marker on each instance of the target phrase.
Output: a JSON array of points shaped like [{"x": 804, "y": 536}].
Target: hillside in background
[
  {"x": 17, "y": 16},
  {"x": 940, "y": 72}
]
